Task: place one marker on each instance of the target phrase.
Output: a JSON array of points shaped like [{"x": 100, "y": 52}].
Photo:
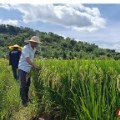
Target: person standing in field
[
  {"x": 25, "y": 64},
  {"x": 14, "y": 56}
]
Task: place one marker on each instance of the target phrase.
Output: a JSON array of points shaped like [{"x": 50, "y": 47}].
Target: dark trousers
[
  {"x": 15, "y": 72},
  {"x": 24, "y": 85}
]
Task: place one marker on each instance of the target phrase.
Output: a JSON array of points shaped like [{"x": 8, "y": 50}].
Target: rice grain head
[{"x": 118, "y": 82}]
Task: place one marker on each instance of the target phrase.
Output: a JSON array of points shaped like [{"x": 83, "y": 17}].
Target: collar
[{"x": 31, "y": 47}]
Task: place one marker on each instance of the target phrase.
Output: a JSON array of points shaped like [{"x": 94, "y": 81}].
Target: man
[
  {"x": 25, "y": 64},
  {"x": 14, "y": 56}
]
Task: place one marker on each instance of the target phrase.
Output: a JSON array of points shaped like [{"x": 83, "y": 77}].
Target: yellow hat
[{"x": 19, "y": 48}]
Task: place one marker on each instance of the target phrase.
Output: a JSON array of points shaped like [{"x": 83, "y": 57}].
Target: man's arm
[{"x": 31, "y": 63}]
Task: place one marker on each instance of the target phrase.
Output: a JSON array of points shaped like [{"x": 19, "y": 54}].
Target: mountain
[{"x": 54, "y": 46}]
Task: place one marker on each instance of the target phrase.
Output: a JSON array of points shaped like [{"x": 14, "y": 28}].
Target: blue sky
[{"x": 93, "y": 23}]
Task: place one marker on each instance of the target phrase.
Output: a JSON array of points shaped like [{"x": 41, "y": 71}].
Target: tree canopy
[{"x": 54, "y": 46}]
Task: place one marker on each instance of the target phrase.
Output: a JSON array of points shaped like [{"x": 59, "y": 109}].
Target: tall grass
[
  {"x": 10, "y": 102},
  {"x": 65, "y": 90},
  {"x": 78, "y": 89}
]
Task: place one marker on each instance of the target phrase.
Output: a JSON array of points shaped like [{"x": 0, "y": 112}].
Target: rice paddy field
[{"x": 63, "y": 90}]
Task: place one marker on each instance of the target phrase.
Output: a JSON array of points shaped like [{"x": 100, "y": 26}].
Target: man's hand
[
  {"x": 31, "y": 63},
  {"x": 36, "y": 67}
]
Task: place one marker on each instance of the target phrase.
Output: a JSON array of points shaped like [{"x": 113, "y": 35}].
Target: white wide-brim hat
[{"x": 33, "y": 39}]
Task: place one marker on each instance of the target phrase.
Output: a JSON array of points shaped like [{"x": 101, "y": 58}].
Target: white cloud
[
  {"x": 63, "y": 36},
  {"x": 5, "y": 6},
  {"x": 116, "y": 47},
  {"x": 74, "y": 16},
  {"x": 10, "y": 22},
  {"x": 75, "y": 6}
]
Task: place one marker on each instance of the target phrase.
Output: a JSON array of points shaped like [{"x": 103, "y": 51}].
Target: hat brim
[
  {"x": 28, "y": 41},
  {"x": 11, "y": 47}
]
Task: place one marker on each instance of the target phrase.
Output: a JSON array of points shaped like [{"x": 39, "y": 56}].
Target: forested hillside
[{"x": 54, "y": 46}]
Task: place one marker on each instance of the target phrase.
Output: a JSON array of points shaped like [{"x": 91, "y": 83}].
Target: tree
[
  {"x": 72, "y": 42},
  {"x": 64, "y": 44},
  {"x": 89, "y": 48},
  {"x": 68, "y": 38},
  {"x": 64, "y": 55},
  {"x": 3, "y": 28},
  {"x": 56, "y": 38},
  {"x": 53, "y": 44},
  {"x": 70, "y": 55},
  {"x": 108, "y": 55},
  {"x": 11, "y": 29},
  {"x": 77, "y": 47},
  {"x": 51, "y": 34},
  {"x": 56, "y": 54},
  {"x": 2, "y": 42},
  {"x": 48, "y": 38}
]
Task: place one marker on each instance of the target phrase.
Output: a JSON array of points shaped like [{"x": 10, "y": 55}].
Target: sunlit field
[
  {"x": 64, "y": 90},
  {"x": 11, "y": 107}
]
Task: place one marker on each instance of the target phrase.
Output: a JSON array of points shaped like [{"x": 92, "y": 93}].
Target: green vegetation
[
  {"x": 77, "y": 81},
  {"x": 11, "y": 107},
  {"x": 78, "y": 89},
  {"x": 64, "y": 90},
  {"x": 54, "y": 46}
]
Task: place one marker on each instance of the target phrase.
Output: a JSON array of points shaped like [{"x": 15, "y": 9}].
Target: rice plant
[
  {"x": 78, "y": 89},
  {"x": 64, "y": 90}
]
